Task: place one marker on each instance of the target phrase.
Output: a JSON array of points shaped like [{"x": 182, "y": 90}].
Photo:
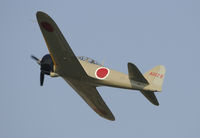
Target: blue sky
[{"x": 146, "y": 33}]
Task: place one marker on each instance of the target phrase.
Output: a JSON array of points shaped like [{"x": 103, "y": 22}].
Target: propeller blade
[
  {"x": 33, "y": 57},
  {"x": 36, "y": 59},
  {"x": 41, "y": 78}
]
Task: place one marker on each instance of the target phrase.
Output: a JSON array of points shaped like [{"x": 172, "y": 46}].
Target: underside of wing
[
  {"x": 64, "y": 59},
  {"x": 92, "y": 97}
]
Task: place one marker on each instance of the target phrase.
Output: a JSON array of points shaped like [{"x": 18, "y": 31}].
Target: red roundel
[
  {"x": 102, "y": 73},
  {"x": 48, "y": 27}
]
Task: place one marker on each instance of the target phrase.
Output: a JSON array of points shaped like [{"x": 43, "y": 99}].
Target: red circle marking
[
  {"x": 48, "y": 27},
  {"x": 102, "y": 73}
]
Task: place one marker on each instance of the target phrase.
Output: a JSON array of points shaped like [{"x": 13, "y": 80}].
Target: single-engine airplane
[{"x": 84, "y": 74}]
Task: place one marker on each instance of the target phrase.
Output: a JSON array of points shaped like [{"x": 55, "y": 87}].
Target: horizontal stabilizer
[
  {"x": 135, "y": 74},
  {"x": 150, "y": 96}
]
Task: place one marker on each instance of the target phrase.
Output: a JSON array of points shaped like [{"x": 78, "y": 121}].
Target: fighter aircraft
[{"x": 84, "y": 74}]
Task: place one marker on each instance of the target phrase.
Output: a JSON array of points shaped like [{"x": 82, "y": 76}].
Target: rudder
[{"x": 156, "y": 77}]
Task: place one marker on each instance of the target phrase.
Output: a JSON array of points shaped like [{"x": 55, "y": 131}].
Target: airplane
[{"x": 84, "y": 74}]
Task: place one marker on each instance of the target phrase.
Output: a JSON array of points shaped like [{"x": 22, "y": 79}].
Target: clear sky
[{"x": 144, "y": 32}]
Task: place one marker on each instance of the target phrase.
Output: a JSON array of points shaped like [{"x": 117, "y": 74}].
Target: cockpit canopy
[{"x": 84, "y": 58}]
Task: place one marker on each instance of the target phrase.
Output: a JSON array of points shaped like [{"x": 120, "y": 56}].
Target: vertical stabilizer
[
  {"x": 153, "y": 79},
  {"x": 156, "y": 77}
]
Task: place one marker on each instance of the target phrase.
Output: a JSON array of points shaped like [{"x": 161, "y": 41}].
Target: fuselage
[{"x": 112, "y": 78}]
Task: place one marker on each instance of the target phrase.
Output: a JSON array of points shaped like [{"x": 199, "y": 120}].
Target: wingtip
[
  {"x": 110, "y": 118},
  {"x": 40, "y": 14},
  {"x": 113, "y": 119},
  {"x": 156, "y": 104}
]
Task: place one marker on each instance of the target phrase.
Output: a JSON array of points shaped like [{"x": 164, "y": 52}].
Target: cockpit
[{"x": 87, "y": 59}]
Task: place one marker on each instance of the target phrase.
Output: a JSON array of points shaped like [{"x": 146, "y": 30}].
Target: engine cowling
[
  {"x": 47, "y": 67},
  {"x": 46, "y": 64}
]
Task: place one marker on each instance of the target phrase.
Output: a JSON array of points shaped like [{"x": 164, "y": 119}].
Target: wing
[
  {"x": 68, "y": 66},
  {"x": 64, "y": 59},
  {"x": 92, "y": 98}
]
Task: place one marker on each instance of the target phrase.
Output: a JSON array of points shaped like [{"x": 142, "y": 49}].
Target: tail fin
[{"x": 155, "y": 77}]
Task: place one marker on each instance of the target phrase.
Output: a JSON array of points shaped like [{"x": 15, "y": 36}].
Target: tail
[{"x": 153, "y": 78}]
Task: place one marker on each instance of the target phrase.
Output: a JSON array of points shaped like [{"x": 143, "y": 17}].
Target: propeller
[
  {"x": 46, "y": 66},
  {"x": 36, "y": 59},
  {"x": 41, "y": 78}
]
